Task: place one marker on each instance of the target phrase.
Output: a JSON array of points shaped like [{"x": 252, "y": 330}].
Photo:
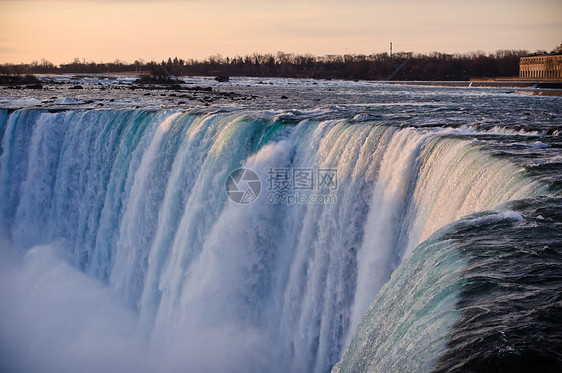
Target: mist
[{"x": 55, "y": 318}]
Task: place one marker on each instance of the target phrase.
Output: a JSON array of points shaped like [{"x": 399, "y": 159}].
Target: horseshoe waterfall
[{"x": 366, "y": 240}]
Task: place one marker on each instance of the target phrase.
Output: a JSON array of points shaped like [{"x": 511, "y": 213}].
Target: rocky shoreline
[{"x": 126, "y": 91}]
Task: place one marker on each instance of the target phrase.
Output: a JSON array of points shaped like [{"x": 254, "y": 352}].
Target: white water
[{"x": 137, "y": 201}]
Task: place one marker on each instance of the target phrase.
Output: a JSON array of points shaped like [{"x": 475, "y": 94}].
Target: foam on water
[{"x": 136, "y": 199}]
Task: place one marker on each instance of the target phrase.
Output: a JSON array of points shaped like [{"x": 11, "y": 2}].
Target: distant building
[{"x": 544, "y": 66}]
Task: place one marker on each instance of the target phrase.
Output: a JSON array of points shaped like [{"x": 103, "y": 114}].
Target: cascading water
[
  {"x": 491, "y": 271},
  {"x": 136, "y": 199}
]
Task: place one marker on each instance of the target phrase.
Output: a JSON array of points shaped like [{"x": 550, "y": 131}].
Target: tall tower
[{"x": 390, "y": 54}]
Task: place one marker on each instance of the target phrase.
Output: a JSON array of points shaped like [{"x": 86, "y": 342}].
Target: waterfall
[{"x": 136, "y": 200}]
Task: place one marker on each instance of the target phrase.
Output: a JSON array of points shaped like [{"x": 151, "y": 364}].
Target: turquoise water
[{"x": 117, "y": 227}]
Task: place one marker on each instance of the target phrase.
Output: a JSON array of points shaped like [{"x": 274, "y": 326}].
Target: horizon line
[{"x": 122, "y": 61}]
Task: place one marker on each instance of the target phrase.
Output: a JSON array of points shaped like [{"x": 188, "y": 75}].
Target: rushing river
[{"x": 351, "y": 225}]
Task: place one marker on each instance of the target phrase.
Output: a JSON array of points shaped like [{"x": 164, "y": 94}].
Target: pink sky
[{"x": 105, "y": 30}]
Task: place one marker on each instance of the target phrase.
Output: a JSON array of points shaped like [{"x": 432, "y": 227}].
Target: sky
[{"x": 106, "y": 30}]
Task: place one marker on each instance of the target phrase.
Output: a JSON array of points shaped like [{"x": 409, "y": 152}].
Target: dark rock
[
  {"x": 284, "y": 97},
  {"x": 222, "y": 78},
  {"x": 15, "y": 79},
  {"x": 76, "y": 87},
  {"x": 206, "y": 89}
]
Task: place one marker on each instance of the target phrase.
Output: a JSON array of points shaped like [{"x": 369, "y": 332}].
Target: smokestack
[{"x": 390, "y": 54}]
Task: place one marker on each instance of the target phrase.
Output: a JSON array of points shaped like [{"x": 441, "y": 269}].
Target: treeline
[
  {"x": 399, "y": 66},
  {"x": 75, "y": 67}
]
